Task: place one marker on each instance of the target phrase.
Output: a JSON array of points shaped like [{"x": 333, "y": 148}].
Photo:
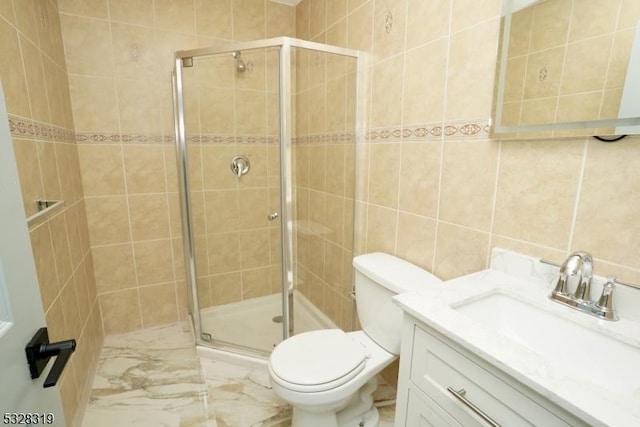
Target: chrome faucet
[
  {"x": 578, "y": 267},
  {"x": 570, "y": 268}
]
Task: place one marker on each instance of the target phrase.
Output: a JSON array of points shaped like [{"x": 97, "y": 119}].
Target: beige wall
[
  {"x": 33, "y": 73},
  {"x": 439, "y": 191},
  {"x": 119, "y": 58}
]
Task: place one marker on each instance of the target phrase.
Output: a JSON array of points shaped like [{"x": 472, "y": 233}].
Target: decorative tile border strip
[
  {"x": 453, "y": 130},
  {"x": 212, "y": 139},
  {"x": 116, "y": 138},
  {"x": 468, "y": 129},
  {"x": 257, "y": 140},
  {"x": 384, "y": 135},
  {"x": 230, "y": 139},
  {"x": 21, "y": 127},
  {"x": 326, "y": 138}
]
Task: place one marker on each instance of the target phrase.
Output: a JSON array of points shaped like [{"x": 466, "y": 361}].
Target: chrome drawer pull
[{"x": 460, "y": 396}]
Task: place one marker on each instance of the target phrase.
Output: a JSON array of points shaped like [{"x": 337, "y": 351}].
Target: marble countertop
[{"x": 525, "y": 278}]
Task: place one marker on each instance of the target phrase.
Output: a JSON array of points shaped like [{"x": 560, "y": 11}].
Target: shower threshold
[{"x": 251, "y": 323}]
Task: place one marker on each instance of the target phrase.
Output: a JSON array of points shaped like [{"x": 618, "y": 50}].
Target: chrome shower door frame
[{"x": 185, "y": 58}]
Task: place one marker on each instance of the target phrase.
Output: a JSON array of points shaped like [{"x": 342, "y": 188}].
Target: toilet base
[
  {"x": 369, "y": 419},
  {"x": 356, "y": 412}
]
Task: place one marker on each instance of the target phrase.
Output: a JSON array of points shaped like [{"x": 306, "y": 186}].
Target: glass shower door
[
  {"x": 269, "y": 131},
  {"x": 232, "y": 135}
]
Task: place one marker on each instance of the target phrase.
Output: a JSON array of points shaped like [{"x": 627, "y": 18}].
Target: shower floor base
[{"x": 251, "y": 323}]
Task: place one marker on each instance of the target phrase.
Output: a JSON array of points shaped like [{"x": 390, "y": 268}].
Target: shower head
[{"x": 240, "y": 65}]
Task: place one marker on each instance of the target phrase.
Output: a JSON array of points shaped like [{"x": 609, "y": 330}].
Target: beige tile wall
[
  {"x": 34, "y": 79},
  {"x": 119, "y": 57},
  {"x": 436, "y": 189}
]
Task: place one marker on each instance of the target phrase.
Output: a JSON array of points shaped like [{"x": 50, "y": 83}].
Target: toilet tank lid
[{"x": 394, "y": 273}]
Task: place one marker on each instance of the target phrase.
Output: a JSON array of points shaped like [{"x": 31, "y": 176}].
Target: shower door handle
[{"x": 273, "y": 216}]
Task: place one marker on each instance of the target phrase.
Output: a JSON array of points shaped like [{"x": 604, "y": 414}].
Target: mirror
[{"x": 568, "y": 68}]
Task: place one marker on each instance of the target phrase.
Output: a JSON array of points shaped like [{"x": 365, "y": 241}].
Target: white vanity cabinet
[{"x": 431, "y": 366}]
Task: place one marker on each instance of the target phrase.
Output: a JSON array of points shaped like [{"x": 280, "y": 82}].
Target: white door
[{"x": 21, "y": 312}]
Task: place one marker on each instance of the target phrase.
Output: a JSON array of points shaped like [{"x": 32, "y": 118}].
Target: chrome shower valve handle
[{"x": 240, "y": 166}]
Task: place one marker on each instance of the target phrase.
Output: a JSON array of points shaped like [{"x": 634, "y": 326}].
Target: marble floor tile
[
  {"x": 150, "y": 378},
  {"x": 155, "y": 378},
  {"x": 241, "y": 394}
]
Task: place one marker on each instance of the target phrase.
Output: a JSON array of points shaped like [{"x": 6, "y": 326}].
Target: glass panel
[
  {"x": 232, "y": 117},
  {"x": 324, "y": 104}
]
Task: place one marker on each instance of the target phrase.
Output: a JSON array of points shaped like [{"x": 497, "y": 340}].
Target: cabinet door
[
  {"x": 423, "y": 412},
  {"x": 437, "y": 366}
]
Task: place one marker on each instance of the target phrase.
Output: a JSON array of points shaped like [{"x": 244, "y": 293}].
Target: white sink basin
[{"x": 600, "y": 359}]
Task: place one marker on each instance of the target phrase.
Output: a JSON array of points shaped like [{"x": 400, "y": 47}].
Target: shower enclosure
[{"x": 266, "y": 139}]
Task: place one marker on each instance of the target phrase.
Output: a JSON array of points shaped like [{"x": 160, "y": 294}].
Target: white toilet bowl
[
  {"x": 334, "y": 385},
  {"x": 328, "y": 376}
]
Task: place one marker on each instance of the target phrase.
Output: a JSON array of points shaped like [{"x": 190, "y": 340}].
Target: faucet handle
[{"x": 605, "y": 303}]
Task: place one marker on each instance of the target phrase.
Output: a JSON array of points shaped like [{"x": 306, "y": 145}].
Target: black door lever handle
[
  {"x": 62, "y": 350},
  {"x": 39, "y": 350}
]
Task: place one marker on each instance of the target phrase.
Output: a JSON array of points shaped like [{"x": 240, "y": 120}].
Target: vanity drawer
[
  {"x": 423, "y": 412},
  {"x": 436, "y": 366}
]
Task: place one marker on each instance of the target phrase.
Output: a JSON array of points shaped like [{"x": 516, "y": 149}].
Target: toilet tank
[{"x": 378, "y": 277}]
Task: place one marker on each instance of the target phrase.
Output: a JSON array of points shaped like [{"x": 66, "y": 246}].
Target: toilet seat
[{"x": 316, "y": 361}]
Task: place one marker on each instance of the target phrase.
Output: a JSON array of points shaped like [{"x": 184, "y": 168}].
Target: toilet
[{"x": 328, "y": 376}]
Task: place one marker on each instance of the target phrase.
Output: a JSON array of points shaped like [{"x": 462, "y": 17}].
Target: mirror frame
[{"x": 542, "y": 130}]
